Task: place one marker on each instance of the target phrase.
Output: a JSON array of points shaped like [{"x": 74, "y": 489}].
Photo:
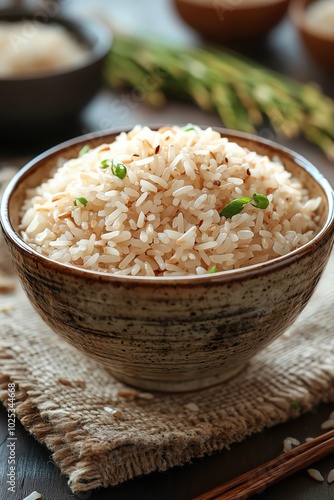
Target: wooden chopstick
[{"x": 272, "y": 472}]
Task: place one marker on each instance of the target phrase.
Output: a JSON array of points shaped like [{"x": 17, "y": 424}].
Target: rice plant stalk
[{"x": 241, "y": 91}]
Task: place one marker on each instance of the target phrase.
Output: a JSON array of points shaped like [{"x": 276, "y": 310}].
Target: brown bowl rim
[
  {"x": 239, "y": 274},
  {"x": 238, "y": 8}
]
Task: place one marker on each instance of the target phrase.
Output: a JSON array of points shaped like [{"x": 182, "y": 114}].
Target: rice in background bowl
[
  {"x": 161, "y": 215},
  {"x": 47, "y": 49},
  {"x": 170, "y": 333},
  {"x": 40, "y": 106}
]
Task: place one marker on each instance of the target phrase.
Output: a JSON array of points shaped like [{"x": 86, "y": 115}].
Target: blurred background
[
  {"x": 253, "y": 65},
  {"x": 205, "y": 86}
]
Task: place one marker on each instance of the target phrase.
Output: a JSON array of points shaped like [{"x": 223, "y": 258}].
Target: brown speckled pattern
[{"x": 171, "y": 334}]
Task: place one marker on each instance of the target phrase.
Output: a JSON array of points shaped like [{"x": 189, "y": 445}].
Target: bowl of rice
[
  {"x": 51, "y": 67},
  {"x": 170, "y": 255}
]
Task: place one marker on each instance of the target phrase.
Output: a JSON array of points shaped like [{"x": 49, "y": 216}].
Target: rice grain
[
  {"x": 330, "y": 477},
  {"x": 315, "y": 474},
  {"x": 328, "y": 424}
]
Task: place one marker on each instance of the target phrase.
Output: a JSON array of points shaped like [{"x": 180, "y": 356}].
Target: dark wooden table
[{"x": 35, "y": 470}]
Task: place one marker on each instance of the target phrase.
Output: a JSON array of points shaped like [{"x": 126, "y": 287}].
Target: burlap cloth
[{"x": 67, "y": 400}]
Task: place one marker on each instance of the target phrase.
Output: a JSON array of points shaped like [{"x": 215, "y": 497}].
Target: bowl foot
[{"x": 177, "y": 386}]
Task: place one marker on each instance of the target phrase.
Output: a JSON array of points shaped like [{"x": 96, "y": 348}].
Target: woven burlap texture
[{"x": 62, "y": 396}]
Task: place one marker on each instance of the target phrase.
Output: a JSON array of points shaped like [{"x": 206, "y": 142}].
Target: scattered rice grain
[
  {"x": 145, "y": 395},
  {"x": 191, "y": 407},
  {"x": 315, "y": 474},
  {"x": 115, "y": 412},
  {"x": 33, "y": 496},
  {"x": 289, "y": 442},
  {"x": 330, "y": 477},
  {"x": 328, "y": 424}
]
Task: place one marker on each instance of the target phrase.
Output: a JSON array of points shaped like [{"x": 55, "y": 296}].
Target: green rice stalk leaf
[{"x": 241, "y": 91}]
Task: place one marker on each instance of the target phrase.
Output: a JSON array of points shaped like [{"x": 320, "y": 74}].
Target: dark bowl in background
[
  {"x": 38, "y": 104},
  {"x": 229, "y": 22}
]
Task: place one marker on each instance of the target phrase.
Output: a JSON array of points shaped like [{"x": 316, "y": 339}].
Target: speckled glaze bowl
[{"x": 167, "y": 333}]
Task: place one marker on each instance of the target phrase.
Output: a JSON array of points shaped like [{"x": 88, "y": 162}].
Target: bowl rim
[
  {"x": 297, "y": 12},
  {"x": 83, "y": 26},
  {"x": 253, "y": 5},
  {"x": 238, "y": 274}
]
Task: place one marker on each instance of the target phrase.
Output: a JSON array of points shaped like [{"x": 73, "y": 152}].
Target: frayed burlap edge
[
  {"x": 95, "y": 464},
  {"x": 90, "y": 473}
]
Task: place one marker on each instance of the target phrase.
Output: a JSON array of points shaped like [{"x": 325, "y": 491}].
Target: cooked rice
[
  {"x": 33, "y": 48},
  {"x": 163, "y": 218}
]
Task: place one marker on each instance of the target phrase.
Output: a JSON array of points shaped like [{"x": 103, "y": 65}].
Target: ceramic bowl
[
  {"x": 48, "y": 101},
  {"x": 170, "y": 333},
  {"x": 318, "y": 44},
  {"x": 230, "y": 21}
]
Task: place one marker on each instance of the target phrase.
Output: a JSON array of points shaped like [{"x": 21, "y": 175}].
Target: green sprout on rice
[
  {"x": 81, "y": 200},
  {"x": 84, "y": 151},
  {"x": 117, "y": 168},
  {"x": 236, "y": 206}
]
